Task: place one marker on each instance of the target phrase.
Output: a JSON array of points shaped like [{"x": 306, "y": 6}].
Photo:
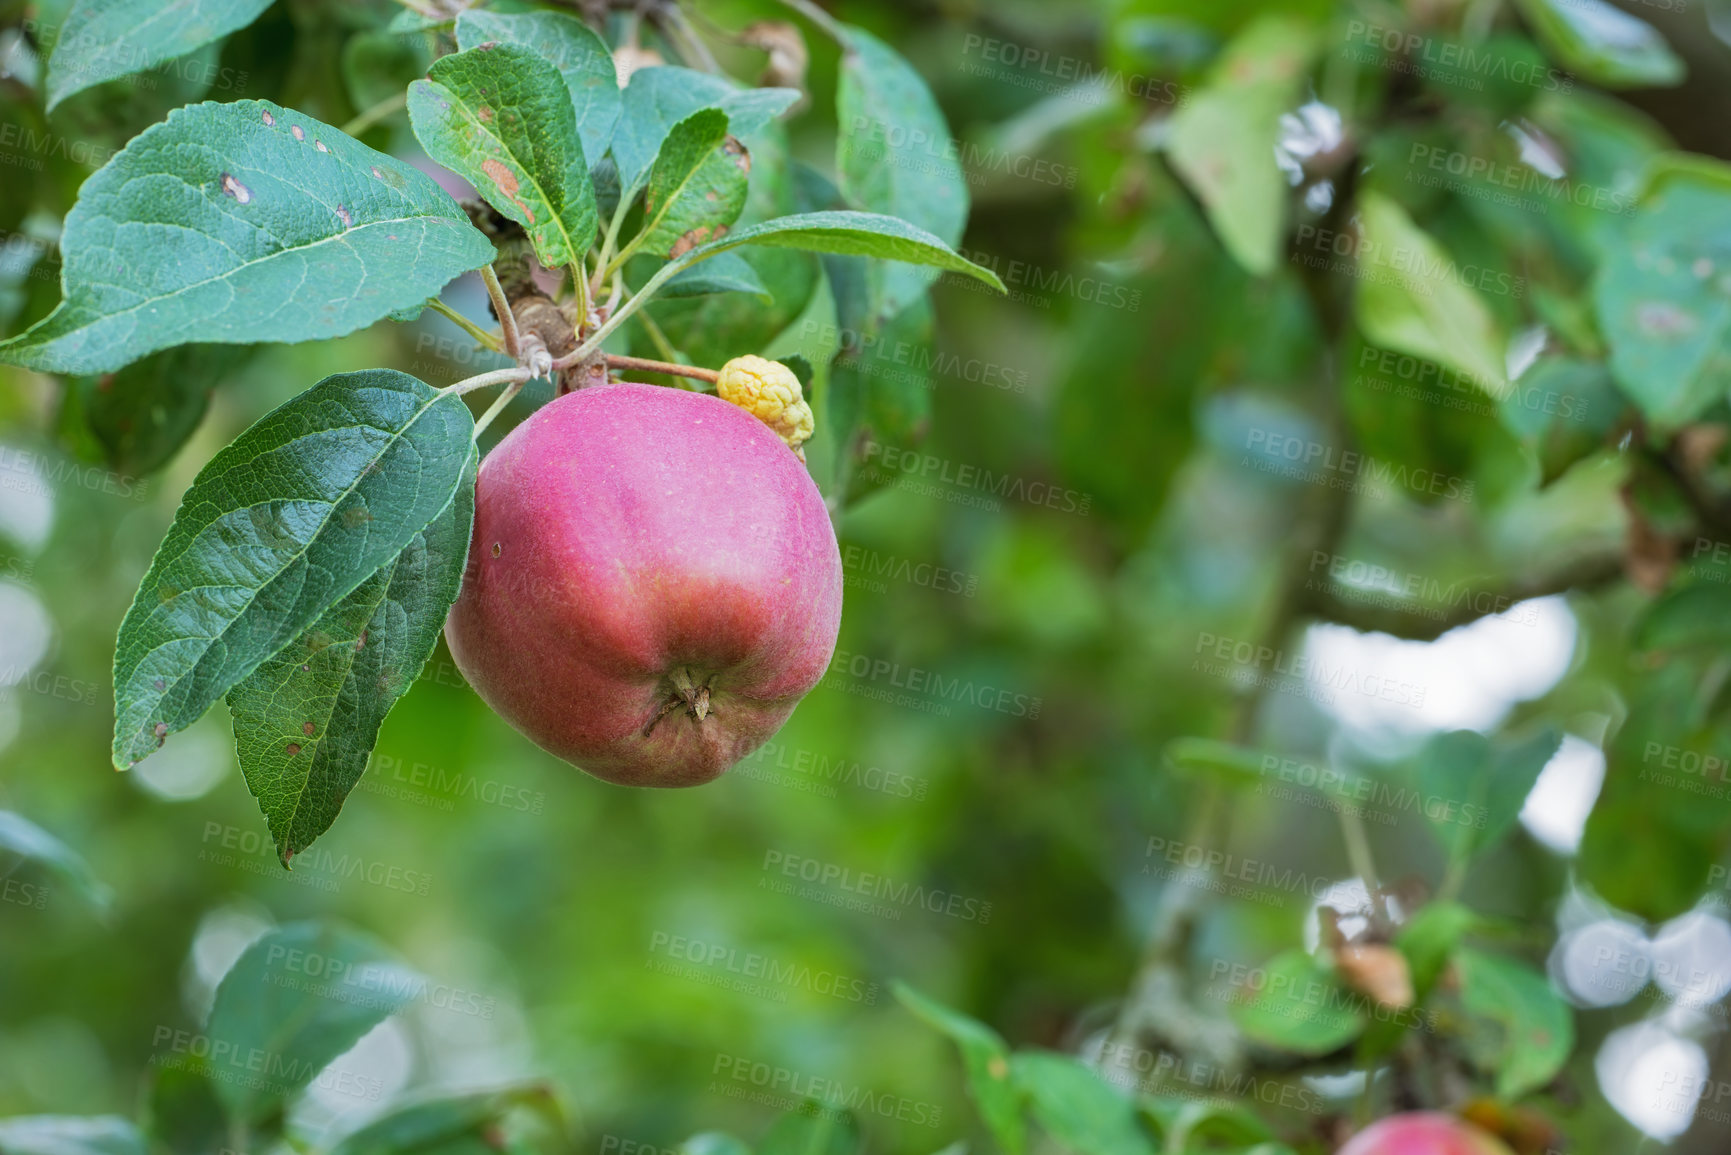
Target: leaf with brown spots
[
  {"x": 306, "y": 721},
  {"x": 501, "y": 117},
  {"x": 697, "y": 185}
]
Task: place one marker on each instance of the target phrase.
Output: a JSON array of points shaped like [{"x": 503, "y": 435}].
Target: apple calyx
[{"x": 689, "y": 692}]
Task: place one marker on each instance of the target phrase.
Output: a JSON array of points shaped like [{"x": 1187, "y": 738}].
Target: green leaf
[
  {"x": 987, "y": 1060},
  {"x": 895, "y": 155},
  {"x": 1299, "y": 1007},
  {"x": 1413, "y": 298},
  {"x": 713, "y": 1143},
  {"x": 1205, "y": 758},
  {"x": 1537, "y": 1031},
  {"x": 21, "y": 836},
  {"x": 437, "y": 1125},
  {"x": 569, "y": 45},
  {"x": 69, "y": 1135},
  {"x": 284, "y": 522},
  {"x": 658, "y": 98},
  {"x": 1694, "y": 617},
  {"x": 1663, "y": 299},
  {"x": 851, "y": 233},
  {"x": 1603, "y": 44},
  {"x": 240, "y": 223},
  {"x": 1428, "y": 939},
  {"x": 1474, "y": 790},
  {"x": 105, "y": 39},
  {"x": 501, "y": 118},
  {"x": 1222, "y": 140},
  {"x": 697, "y": 185},
  {"x": 818, "y": 1129},
  {"x": 305, "y": 722},
  {"x": 1199, "y": 1126},
  {"x": 296, "y": 999},
  {"x": 185, "y": 1115},
  {"x": 1562, "y": 409},
  {"x": 726, "y": 273},
  {"x": 143, "y": 413},
  {"x": 1076, "y": 1108}
]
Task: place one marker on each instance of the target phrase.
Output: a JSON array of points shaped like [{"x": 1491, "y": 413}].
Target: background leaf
[
  {"x": 143, "y": 413},
  {"x": 1223, "y": 139},
  {"x": 1411, "y": 297},
  {"x": 296, "y": 999},
  {"x": 987, "y": 1061},
  {"x": 1072, "y": 1105},
  {"x": 69, "y": 1135},
  {"x": 1537, "y": 1031},
  {"x": 21, "y": 836},
  {"x": 1299, "y": 1007},
  {"x": 104, "y": 39},
  {"x": 1602, "y": 43},
  {"x": 659, "y": 98},
  {"x": 1664, "y": 301},
  {"x": 238, "y": 223},
  {"x": 284, "y": 522}
]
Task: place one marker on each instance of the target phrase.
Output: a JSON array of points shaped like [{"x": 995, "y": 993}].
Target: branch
[
  {"x": 1373, "y": 611},
  {"x": 645, "y": 365}
]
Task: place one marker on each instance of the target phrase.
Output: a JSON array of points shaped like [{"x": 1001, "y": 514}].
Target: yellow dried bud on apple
[{"x": 769, "y": 391}]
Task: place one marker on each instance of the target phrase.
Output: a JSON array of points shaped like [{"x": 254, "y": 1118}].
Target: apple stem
[{"x": 645, "y": 365}]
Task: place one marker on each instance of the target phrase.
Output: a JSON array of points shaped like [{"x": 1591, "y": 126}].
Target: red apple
[
  {"x": 653, "y": 583},
  {"x": 1423, "y": 1133}
]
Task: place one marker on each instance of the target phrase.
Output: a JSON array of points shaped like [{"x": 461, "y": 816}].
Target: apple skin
[
  {"x": 653, "y": 583},
  {"x": 1423, "y": 1133}
]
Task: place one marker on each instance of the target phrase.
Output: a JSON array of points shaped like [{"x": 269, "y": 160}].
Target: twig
[
  {"x": 376, "y": 113},
  {"x": 498, "y": 405},
  {"x": 515, "y": 374},
  {"x": 501, "y": 309},
  {"x": 482, "y": 337},
  {"x": 830, "y": 26},
  {"x": 644, "y": 365},
  {"x": 1334, "y": 604}
]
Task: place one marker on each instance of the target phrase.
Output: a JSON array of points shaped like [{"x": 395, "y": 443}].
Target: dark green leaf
[
  {"x": 726, "y": 273},
  {"x": 1603, "y": 44},
  {"x": 1664, "y": 300},
  {"x": 1076, "y": 1108},
  {"x": 1299, "y": 1007},
  {"x": 305, "y": 722},
  {"x": 104, "y": 39},
  {"x": 658, "y": 98},
  {"x": 816, "y": 1129},
  {"x": 1562, "y": 409},
  {"x": 21, "y": 836},
  {"x": 987, "y": 1060},
  {"x": 570, "y": 46},
  {"x": 283, "y": 523},
  {"x": 1692, "y": 617},
  {"x": 436, "y": 1125},
  {"x": 1536, "y": 1028},
  {"x": 294, "y": 1000},
  {"x": 696, "y": 187},
  {"x": 185, "y": 1114},
  {"x": 1223, "y": 139},
  {"x": 240, "y": 223},
  {"x": 895, "y": 155},
  {"x": 500, "y": 117},
  {"x": 69, "y": 1135}
]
